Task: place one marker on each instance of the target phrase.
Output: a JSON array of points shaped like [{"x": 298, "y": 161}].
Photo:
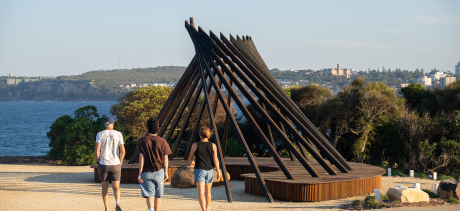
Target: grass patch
[
  {"x": 453, "y": 201},
  {"x": 397, "y": 173},
  {"x": 431, "y": 194},
  {"x": 397, "y": 202},
  {"x": 443, "y": 177},
  {"x": 421, "y": 175},
  {"x": 384, "y": 198},
  {"x": 370, "y": 201}
]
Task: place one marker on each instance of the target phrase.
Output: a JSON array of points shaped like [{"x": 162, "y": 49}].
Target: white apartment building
[
  {"x": 436, "y": 76},
  {"x": 425, "y": 81},
  {"x": 443, "y": 82}
]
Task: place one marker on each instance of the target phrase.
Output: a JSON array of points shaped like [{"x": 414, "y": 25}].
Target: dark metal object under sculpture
[{"x": 238, "y": 60}]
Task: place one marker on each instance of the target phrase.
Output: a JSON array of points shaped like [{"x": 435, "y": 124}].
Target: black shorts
[{"x": 112, "y": 172}]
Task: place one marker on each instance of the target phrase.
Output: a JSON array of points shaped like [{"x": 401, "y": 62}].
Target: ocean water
[{"x": 24, "y": 124}]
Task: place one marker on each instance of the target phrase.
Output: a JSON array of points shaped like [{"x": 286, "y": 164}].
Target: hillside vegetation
[{"x": 110, "y": 80}]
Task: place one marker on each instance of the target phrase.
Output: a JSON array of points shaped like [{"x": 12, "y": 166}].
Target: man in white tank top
[{"x": 110, "y": 152}]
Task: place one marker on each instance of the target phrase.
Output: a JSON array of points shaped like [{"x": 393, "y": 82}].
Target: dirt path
[{"x": 51, "y": 187}]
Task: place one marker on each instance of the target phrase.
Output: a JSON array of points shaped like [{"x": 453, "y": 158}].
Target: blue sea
[{"x": 24, "y": 124}]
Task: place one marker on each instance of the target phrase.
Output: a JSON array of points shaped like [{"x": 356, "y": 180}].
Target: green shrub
[
  {"x": 356, "y": 202},
  {"x": 431, "y": 194},
  {"x": 397, "y": 173},
  {"x": 370, "y": 201},
  {"x": 384, "y": 198},
  {"x": 420, "y": 175},
  {"x": 233, "y": 148},
  {"x": 453, "y": 201},
  {"x": 397, "y": 202},
  {"x": 74, "y": 139},
  {"x": 57, "y": 135}
]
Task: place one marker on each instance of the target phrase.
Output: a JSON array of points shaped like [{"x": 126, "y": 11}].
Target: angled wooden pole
[
  {"x": 177, "y": 104},
  {"x": 187, "y": 117},
  {"x": 267, "y": 78},
  {"x": 182, "y": 108},
  {"x": 241, "y": 75},
  {"x": 277, "y": 114},
  {"x": 245, "y": 147},
  {"x": 170, "y": 101},
  {"x": 174, "y": 94},
  {"x": 197, "y": 124},
  {"x": 243, "y": 108},
  {"x": 202, "y": 63}
]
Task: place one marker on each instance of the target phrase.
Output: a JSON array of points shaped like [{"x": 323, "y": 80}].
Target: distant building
[
  {"x": 403, "y": 85},
  {"x": 437, "y": 75},
  {"x": 347, "y": 72},
  {"x": 13, "y": 81},
  {"x": 425, "y": 81},
  {"x": 457, "y": 69},
  {"x": 443, "y": 82},
  {"x": 133, "y": 85}
]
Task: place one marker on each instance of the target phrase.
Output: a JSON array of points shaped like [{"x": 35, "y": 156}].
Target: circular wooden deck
[{"x": 305, "y": 188}]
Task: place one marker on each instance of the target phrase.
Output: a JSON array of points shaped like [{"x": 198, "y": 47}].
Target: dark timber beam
[
  {"x": 197, "y": 40},
  {"x": 271, "y": 107},
  {"x": 262, "y": 112},
  {"x": 177, "y": 103},
  {"x": 266, "y": 77}
]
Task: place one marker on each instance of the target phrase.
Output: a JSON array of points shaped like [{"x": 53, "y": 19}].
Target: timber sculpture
[{"x": 217, "y": 59}]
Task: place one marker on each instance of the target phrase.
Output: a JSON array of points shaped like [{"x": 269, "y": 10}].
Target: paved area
[{"x": 51, "y": 187}]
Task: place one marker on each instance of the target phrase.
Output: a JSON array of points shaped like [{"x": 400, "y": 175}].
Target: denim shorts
[
  {"x": 205, "y": 176},
  {"x": 153, "y": 184}
]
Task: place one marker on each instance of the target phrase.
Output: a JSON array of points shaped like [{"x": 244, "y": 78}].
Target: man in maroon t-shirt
[{"x": 153, "y": 165}]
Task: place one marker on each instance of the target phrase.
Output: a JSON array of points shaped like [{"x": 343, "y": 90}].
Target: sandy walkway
[{"x": 49, "y": 187}]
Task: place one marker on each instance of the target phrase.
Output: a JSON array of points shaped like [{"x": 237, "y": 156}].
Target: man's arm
[
  {"x": 192, "y": 155},
  {"x": 141, "y": 165},
  {"x": 122, "y": 153},
  {"x": 216, "y": 161},
  {"x": 97, "y": 152},
  {"x": 166, "y": 164}
]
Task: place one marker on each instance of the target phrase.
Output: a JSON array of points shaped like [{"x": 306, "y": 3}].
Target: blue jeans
[
  {"x": 153, "y": 184},
  {"x": 205, "y": 176}
]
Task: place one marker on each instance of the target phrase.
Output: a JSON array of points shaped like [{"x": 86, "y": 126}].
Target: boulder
[
  {"x": 449, "y": 189},
  {"x": 404, "y": 194},
  {"x": 185, "y": 177}
]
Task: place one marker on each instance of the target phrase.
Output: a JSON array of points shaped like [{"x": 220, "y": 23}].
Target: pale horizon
[{"x": 54, "y": 38}]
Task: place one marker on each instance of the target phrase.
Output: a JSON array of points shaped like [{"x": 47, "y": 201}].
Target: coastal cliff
[{"x": 57, "y": 90}]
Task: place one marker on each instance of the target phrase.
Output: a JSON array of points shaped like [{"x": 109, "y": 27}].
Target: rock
[
  {"x": 404, "y": 194},
  {"x": 184, "y": 178},
  {"x": 449, "y": 189}
]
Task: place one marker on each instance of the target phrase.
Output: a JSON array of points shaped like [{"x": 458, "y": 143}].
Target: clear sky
[{"x": 52, "y": 38}]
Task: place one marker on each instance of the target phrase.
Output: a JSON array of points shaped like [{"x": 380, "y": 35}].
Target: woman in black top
[{"x": 205, "y": 154}]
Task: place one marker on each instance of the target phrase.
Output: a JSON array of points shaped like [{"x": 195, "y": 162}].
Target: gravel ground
[{"x": 44, "y": 186}]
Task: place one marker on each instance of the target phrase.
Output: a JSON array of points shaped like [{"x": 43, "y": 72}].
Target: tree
[
  {"x": 134, "y": 109},
  {"x": 416, "y": 95},
  {"x": 74, "y": 139},
  {"x": 57, "y": 136},
  {"x": 357, "y": 111},
  {"x": 88, "y": 112},
  {"x": 81, "y": 140}
]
